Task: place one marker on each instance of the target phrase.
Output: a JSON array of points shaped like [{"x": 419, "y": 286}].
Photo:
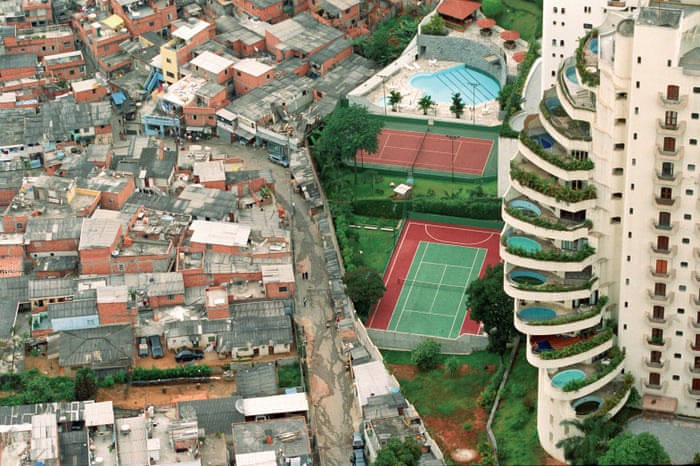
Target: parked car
[
  {"x": 143, "y": 347},
  {"x": 156, "y": 348},
  {"x": 279, "y": 159},
  {"x": 357, "y": 441},
  {"x": 189, "y": 355},
  {"x": 358, "y": 458}
]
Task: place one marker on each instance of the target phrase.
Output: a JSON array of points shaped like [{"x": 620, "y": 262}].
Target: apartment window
[
  {"x": 657, "y": 334},
  {"x": 120, "y": 267},
  {"x": 615, "y": 220},
  {"x": 696, "y": 90},
  {"x": 151, "y": 24},
  {"x": 655, "y": 357},
  {"x": 661, "y": 269},
  {"x": 170, "y": 74},
  {"x": 654, "y": 379},
  {"x": 682, "y": 287},
  {"x": 168, "y": 60},
  {"x": 684, "y": 265},
  {"x": 695, "y": 116},
  {"x": 676, "y": 377},
  {"x": 194, "y": 117},
  {"x": 668, "y": 63},
  {"x": 555, "y": 9},
  {"x": 659, "y": 289},
  {"x": 672, "y": 92},
  {"x": 561, "y": 43},
  {"x": 587, "y": 26},
  {"x": 636, "y": 110},
  {"x": 618, "y": 171},
  {"x": 664, "y": 219},
  {"x": 669, "y": 144},
  {"x": 636, "y": 85},
  {"x": 689, "y": 192},
  {"x": 19, "y": 225},
  {"x": 554, "y": 42},
  {"x": 680, "y": 310},
  {"x": 671, "y": 119},
  {"x": 563, "y": 10},
  {"x": 691, "y": 167},
  {"x": 634, "y": 136},
  {"x": 658, "y": 312},
  {"x": 677, "y": 355},
  {"x": 693, "y": 142},
  {"x": 685, "y": 240},
  {"x": 687, "y": 217},
  {"x": 620, "y": 146},
  {"x": 667, "y": 170},
  {"x": 666, "y": 193},
  {"x": 639, "y": 60}
]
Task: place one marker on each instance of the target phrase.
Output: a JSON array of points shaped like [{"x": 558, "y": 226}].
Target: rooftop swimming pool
[{"x": 474, "y": 86}]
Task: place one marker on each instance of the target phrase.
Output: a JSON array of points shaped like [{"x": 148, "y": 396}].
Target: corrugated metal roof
[{"x": 53, "y": 229}]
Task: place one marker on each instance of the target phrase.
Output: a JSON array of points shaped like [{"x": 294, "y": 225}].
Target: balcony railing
[
  {"x": 581, "y": 315},
  {"x": 579, "y": 347},
  {"x": 674, "y": 104},
  {"x": 586, "y": 59},
  {"x": 665, "y": 251},
  {"x": 662, "y": 298},
  {"x": 550, "y": 223},
  {"x": 550, "y": 254},
  {"x": 672, "y": 128},
  {"x": 551, "y": 188},
  {"x": 693, "y": 321},
  {"x": 656, "y": 342},
  {"x": 654, "y": 386},
  {"x": 616, "y": 357},
  {"x": 665, "y": 201},
  {"x": 565, "y": 125},
  {"x": 565, "y": 162},
  {"x": 692, "y": 391}
]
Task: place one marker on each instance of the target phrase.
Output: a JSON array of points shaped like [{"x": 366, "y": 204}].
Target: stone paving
[{"x": 678, "y": 437}]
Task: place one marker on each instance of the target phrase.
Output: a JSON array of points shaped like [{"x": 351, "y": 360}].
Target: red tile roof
[
  {"x": 458, "y": 9},
  {"x": 10, "y": 267}
]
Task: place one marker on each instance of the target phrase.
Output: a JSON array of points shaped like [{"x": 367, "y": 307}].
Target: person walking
[{"x": 304, "y": 301}]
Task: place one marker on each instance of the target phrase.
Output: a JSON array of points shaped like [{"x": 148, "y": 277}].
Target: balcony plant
[
  {"x": 550, "y": 255},
  {"x": 587, "y": 77},
  {"x": 563, "y": 162},
  {"x": 568, "y": 130},
  {"x": 580, "y": 346},
  {"x": 557, "y": 287},
  {"x": 616, "y": 358},
  {"x": 614, "y": 400},
  {"x": 550, "y": 187},
  {"x": 550, "y": 224}
]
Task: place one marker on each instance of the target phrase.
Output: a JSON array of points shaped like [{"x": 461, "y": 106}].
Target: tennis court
[{"x": 432, "y": 299}]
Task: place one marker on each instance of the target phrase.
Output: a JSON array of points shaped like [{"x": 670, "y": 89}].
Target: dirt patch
[
  {"x": 449, "y": 432},
  {"x": 140, "y": 397}
]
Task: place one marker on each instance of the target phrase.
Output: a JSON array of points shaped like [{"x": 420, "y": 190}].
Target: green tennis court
[{"x": 432, "y": 299}]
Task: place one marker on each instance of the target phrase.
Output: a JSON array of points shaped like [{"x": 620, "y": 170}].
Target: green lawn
[
  {"x": 376, "y": 247},
  {"x": 289, "y": 376},
  {"x": 521, "y": 16},
  {"x": 515, "y": 423}
]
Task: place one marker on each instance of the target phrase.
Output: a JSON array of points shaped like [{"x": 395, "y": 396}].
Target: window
[
  {"x": 587, "y": 26},
  {"x": 693, "y": 142},
  {"x": 19, "y": 225},
  {"x": 171, "y": 297},
  {"x": 170, "y": 74},
  {"x": 168, "y": 60},
  {"x": 661, "y": 269},
  {"x": 668, "y": 63},
  {"x": 282, "y": 289},
  {"x": 696, "y": 90},
  {"x": 654, "y": 379},
  {"x": 615, "y": 220},
  {"x": 671, "y": 119},
  {"x": 194, "y": 117},
  {"x": 664, "y": 219},
  {"x": 563, "y": 10},
  {"x": 691, "y": 167},
  {"x": 561, "y": 43},
  {"x": 695, "y": 116},
  {"x": 658, "y": 312},
  {"x": 684, "y": 265},
  {"x": 667, "y": 170},
  {"x": 666, "y": 193},
  {"x": 554, "y": 42},
  {"x": 672, "y": 92},
  {"x": 689, "y": 192},
  {"x": 655, "y": 357},
  {"x": 639, "y": 60},
  {"x": 636, "y": 85},
  {"x": 659, "y": 289},
  {"x": 555, "y": 9},
  {"x": 120, "y": 267},
  {"x": 685, "y": 240}
]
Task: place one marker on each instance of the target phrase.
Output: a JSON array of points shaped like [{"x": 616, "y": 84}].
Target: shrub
[
  {"x": 426, "y": 355},
  {"x": 467, "y": 426},
  {"x": 452, "y": 366}
]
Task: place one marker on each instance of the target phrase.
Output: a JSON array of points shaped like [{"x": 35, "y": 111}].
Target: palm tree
[
  {"x": 457, "y": 106},
  {"x": 587, "y": 448},
  {"x": 425, "y": 103},
  {"x": 395, "y": 99}
]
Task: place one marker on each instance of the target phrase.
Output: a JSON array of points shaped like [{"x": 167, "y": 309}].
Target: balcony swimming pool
[
  {"x": 526, "y": 244},
  {"x": 564, "y": 377},
  {"x": 536, "y": 314}
]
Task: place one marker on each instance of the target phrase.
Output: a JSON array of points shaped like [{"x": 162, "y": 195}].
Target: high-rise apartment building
[{"x": 602, "y": 237}]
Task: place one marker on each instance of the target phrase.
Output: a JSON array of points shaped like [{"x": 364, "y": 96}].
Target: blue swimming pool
[
  {"x": 544, "y": 140},
  {"x": 594, "y": 45},
  {"x": 571, "y": 74},
  {"x": 587, "y": 405},
  {"x": 526, "y": 244},
  {"x": 564, "y": 377},
  {"x": 528, "y": 277},
  {"x": 532, "y": 314},
  {"x": 526, "y": 207},
  {"x": 383, "y": 101},
  {"x": 440, "y": 85}
]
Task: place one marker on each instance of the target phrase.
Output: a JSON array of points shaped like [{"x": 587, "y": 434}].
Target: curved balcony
[
  {"x": 695, "y": 349},
  {"x": 553, "y": 319},
  {"x": 543, "y": 255},
  {"x": 672, "y": 104},
  {"x": 663, "y": 253},
  {"x": 587, "y": 62},
  {"x": 668, "y": 179},
  {"x": 695, "y": 301},
  {"x": 693, "y": 322},
  {"x": 573, "y": 134},
  {"x": 536, "y": 285},
  {"x": 666, "y": 277},
  {"x": 657, "y": 322},
  {"x": 691, "y": 391},
  {"x": 561, "y": 351},
  {"x": 596, "y": 376},
  {"x": 578, "y": 101},
  {"x": 613, "y": 396},
  {"x": 655, "y": 366},
  {"x": 542, "y": 222},
  {"x": 663, "y": 129},
  {"x": 667, "y": 203},
  {"x": 693, "y": 369},
  {"x": 544, "y": 190},
  {"x": 554, "y": 159},
  {"x": 670, "y": 155},
  {"x": 660, "y": 298},
  {"x": 664, "y": 229},
  {"x": 654, "y": 388}
]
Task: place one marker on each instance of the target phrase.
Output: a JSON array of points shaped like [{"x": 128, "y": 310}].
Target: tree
[
  {"x": 426, "y": 355},
  {"x": 395, "y": 99},
  {"x": 85, "y": 384},
  {"x": 425, "y": 103},
  {"x": 397, "y": 453},
  {"x": 585, "y": 449},
  {"x": 348, "y": 130},
  {"x": 493, "y": 307},
  {"x": 457, "y": 106},
  {"x": 628, "y": 448},
  {"x": 435, "y": 26},
  {"x": 365, "y": 287},
  {"x": 491, "y": 8}
]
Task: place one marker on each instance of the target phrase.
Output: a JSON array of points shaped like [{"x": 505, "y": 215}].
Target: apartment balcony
[
  {"x": 670, "y": 155},
  {"x": 695, "y": 301},
  {"x": 528, "y": 216},
  {"x": 655, "y": 366},
  {"x": 663, "y": 277},
  {"x": 660, "y": 298},
  {"x": 555, "y": 120},
  {"x": 539, "y": 148},
  {"x": 595, "y": 376},
  {"x": 538, "y": 285},
  {"x": 617, "y": 4},
  {"x": 693, "y": 369},
  {"x": 657, "y": 322},
  {"x": 553, "y": 319},
  {"x": 609, "y": 399},
  {"x": 665, "y": 129},
  {"x": 664, "y": 228},
  {"x": 668, "y": 252},
  {"x": 538, "y": 186},
  {"x": 554, "y": 351},
  {"x": 533, "y": 253},
  {"x": 668, "y": 179},
  {"x": 672, "y": 104},
  {"x": 654, "y": 388},
  {"x": 656, "y": 344},
  {"x": 695, "y": 349},
  {"x": 692, "y": 392},
  {"x": 695, "y": 277},
  {"x": 578, "y": 101},
  {"x": 694, "y": 322},
  {"x": 587, "y": 63},
  {"x": 666, "y": 202}
]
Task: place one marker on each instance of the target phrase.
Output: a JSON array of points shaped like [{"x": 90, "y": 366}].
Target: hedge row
[{"x": 477, "y": 208}]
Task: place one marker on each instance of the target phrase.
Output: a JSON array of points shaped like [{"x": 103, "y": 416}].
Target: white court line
[
  {"x": 455, "y": 243},
  {"x": 437, "y": 290},
  {"x": 448, "y": 265},
  {"x": 408, "y": 296},
  {"x": 461, "y": 302}
]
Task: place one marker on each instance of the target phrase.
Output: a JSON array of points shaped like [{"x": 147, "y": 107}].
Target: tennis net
[{"x": 434, "y": 286}]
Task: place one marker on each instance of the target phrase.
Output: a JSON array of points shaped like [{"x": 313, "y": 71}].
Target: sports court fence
[{"x": 401, "y": 341}]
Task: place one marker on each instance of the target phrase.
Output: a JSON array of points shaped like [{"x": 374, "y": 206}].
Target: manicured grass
[
  {"x": 520, "y": 16},
  {"x": 367, "y": 185},
  {"x": 289, "y": 375},
  {"x": 515, "y": 423},
  {"x": 376, "y": 247}
]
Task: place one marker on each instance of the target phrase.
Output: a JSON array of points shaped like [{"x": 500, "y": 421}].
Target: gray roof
[
  {"x": 56, "y": 287},
  {"x": 104, "y": 346},
  {"x": 247, "y": 438},
  {"x": 20, "y": 60},
  {"x": 330, "y": 52},
  {"x": 53, "y": 229},
  {"x": 13, "y": 290},
  {"x": 157, "y": 284},
  {"x": 13, "y": 124},
  {"x": 213, "y": 415},
  {"x": 259, "y": 380},
  {"x": 303, "y": 33},
  {"x": 256, "y": 331},
  {"x": 73, "y": 447},
  {"x": 155, "y": 167},
  {"x": 67, "y": 309},
  {"x": 58, "y": 119},
  {"x": 242, "y": 176},
  {"x": 240, "y": 34},
  {"x": 98, "y": 233},
  {"x": 345, "y": 76},
  {"x": 261, "y": 308},
  {"x": 16, "y": 415},
  {"x": 255, "y": 105}
]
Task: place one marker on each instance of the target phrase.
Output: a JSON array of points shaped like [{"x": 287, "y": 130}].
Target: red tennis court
[
  {"x": 415, "y": 232},
  {"x": 428, "y": 151}
]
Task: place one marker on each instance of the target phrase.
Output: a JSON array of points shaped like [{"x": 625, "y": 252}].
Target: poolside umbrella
[
  {"x": 486, "y": 23},
  {"x": 519, "y": 56},
  {"x": 510, "y": 36}
]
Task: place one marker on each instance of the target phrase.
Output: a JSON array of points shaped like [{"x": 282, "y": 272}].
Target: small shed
[{"x": 403, "y": 191}]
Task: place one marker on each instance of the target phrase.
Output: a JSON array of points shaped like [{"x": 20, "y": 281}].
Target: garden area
[{"x": 523, "y": 16}]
